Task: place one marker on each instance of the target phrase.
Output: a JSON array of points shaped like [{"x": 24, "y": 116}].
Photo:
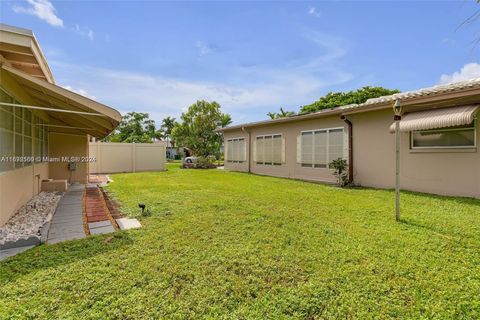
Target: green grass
[{"x": 238, "y": 246}]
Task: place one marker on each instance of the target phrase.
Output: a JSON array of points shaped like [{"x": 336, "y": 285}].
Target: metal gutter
[
  {"x": 350, "y": 148},
  {"x": 52, "y": 109}
]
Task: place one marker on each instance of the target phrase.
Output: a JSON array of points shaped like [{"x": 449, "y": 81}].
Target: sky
[{"x": 252, "y": 57}]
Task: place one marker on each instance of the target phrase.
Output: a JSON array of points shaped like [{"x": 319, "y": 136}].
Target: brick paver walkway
[
  {"x": 96, "y": 211},
  {"x": 95, "y": 205},
  {"x": 67, "y": 222}
]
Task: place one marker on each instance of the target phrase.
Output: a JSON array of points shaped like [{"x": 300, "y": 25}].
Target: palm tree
[
  {"x": 167, "y": 126},
  {"x": 281, "y": 114},
  {"x": 272, "y": 115},
  {"x": 225, "y": 120}
]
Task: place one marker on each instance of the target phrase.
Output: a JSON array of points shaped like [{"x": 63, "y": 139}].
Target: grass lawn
[{"x": 232, "y": 245}]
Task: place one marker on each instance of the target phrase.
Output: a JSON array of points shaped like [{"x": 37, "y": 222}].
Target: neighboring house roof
[
  {"x": 20, "y": 47},
  {"x": 407, "y": 98}
]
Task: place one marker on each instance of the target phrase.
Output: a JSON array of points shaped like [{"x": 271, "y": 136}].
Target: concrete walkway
[
  {"x": 67, "y": 222},
  {"x": 13, "y": 251}
]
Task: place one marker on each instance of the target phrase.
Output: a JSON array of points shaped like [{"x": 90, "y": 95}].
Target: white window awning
[{"x": 437, "y": 118}]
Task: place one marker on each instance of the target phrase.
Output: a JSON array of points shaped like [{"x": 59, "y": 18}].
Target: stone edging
[{"x": 31, "y": 241}]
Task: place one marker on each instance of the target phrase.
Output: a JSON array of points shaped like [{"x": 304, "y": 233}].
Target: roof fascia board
[
  {"x": 345, "y": 110},
  {"x": 272, "y": 122},
  {"x": 37, "y": 51}
]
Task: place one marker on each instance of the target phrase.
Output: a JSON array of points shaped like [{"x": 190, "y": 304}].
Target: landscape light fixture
[
  {"x": 397, "y": 109},
  {"x": 142, "y": 206}
]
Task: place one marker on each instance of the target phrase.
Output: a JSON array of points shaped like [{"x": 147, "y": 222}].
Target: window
[
  {"x": 27, "y": 135},
  {"x": 455, "y": 137},
  {"x": 236, "y": 150},
  {"x": 41, "y": 141},
  {"x": 7, "y": 146},
  {"x": 20, "y": 135},
  {"x": 317, "y": 148},
  {"x": 269, "y": 150}
]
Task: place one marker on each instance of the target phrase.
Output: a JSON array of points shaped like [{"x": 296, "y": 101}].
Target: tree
[
  {"x": 336, "y": 99},
  {"x": 166, "y": 129},
  {"x": 196, "y": 131},
  {"x": 134, "y": 127},
  {"x": 225, "y": 120},
  {"x": 281, "y": 114}
]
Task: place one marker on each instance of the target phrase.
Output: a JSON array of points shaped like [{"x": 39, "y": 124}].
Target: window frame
[
  {"x": 272, "y": 135},
  {"x": 243, "y": 151},
  {"x": 313, "y": 165},
  {"x": 21, "y": 117},
  {"x": 445, "y": 129}
]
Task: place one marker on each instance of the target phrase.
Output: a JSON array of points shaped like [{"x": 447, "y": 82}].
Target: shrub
[
  {"x": 340, "y": 171},
  {"x": 206, "y": 162}
]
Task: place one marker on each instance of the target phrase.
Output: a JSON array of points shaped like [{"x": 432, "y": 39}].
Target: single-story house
[
  {"x": 438, "y": 153},
  {"x": 44, "y": 128}
]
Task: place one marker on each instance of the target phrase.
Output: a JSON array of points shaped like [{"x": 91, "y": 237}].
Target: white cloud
[
  {"x": 314, "y": 12},
  {"x": 163, "y": 96},
  {"x": 43, "y": 9},
  {"x": 468, "y": 71},
  {"x": 80, "y": 91},
  {"x": 84, "y": 32},
  {"x": 203, "y": 48},
  {"x": 255, "y": 87}
]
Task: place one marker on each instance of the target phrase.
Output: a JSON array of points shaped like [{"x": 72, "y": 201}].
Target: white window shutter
[
  {"x": 299, "y": 148},
  {"x": 245, "y": 151},
  {"x": 283, "y": 149},
  {"x": 254, "y": 151},
  {"x": 235, "y": 155}
]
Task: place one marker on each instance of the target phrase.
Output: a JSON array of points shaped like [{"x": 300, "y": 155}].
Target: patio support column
[{"x": 397, "y": 109}]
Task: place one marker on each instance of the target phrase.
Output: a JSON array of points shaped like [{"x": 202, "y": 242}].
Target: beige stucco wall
[
  {"x": 68, "y": 145},
  {"x": 127, "y": 157},
  {"x": 447, "y": 172},
  {"x": 453, "y": 172},
  {"x": 18, "y": 186},
  {"x": 290, "y": 131}
]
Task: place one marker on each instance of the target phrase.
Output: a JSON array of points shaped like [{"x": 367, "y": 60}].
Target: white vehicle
[{"x": 189, "y": 162}]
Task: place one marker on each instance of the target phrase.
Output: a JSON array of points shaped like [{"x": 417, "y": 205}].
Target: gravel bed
[{"x": 30, "y": 218}]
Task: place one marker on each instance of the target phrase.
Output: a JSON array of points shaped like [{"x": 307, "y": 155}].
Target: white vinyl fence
[{"x": 126, "y": 157}]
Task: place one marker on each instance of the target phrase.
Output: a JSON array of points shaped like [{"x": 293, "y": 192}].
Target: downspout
[
  {"x": 350, "y": 148},
  {"x": 248, "y": 150}
]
